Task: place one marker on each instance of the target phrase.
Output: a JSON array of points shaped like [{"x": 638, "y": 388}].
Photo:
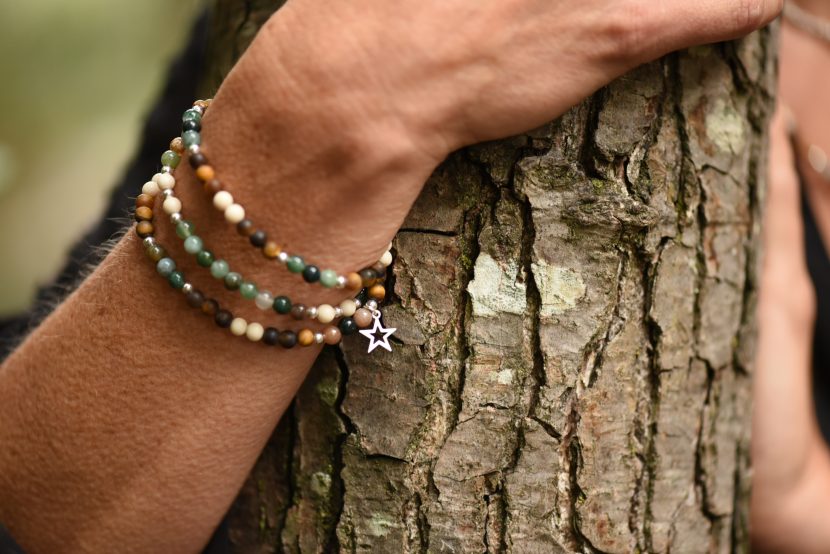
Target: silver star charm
[{"x": 371, "y": 334}]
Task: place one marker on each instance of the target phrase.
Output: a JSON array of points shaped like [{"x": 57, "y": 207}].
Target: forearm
[{"x": 125, "y": 407}]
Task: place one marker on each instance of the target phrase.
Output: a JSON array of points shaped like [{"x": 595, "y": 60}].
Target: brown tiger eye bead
[
  {"x": 143, "y": 213},
  {"x": 201, "y": 103},
  {"x": 177, "y": 146},
  {"x": 363, "y": 318},
  {"x": 271, "y": 249},
  {"x": 245, "y": 228},
  {"x": 196, "y": 160},
  {"x": 212, "y": 187},
  {"x": 144, "y": 229},
  {"x": 205, "y": 173},
  {"x": 353, "y": 281},
  {"x": 145, "y": 201},
  {"x": 305, "y": 337},
  {"x": 210, "y": 307},
  {"x": 378, "y": 292},
  {"x": 369, "y": 277}
]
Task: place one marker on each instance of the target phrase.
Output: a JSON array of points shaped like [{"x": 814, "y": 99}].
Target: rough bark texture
[{"x": 576, "y": 327}]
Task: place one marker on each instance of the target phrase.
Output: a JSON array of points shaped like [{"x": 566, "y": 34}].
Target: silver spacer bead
[
  {"x": 357, "y": 303},
  {"x": 338, "y": 312},
  {"x": 167, "y": 193},
  {"x": 175, "y": 218},
  {"x": 341, "y": 281},
  {"x": 311, "y": 313},
  {"x": 166, "y": 169},
  {"x": 198, "y": 109},
  {"x": 148, "y": 241},
  {"x": 372, "y": 305},
  {"x": 194, "y": 149},
  {"x": 283, "y": 257},
  {"x": 319, "y": 338},
  {"x": 187, "y": 288}
]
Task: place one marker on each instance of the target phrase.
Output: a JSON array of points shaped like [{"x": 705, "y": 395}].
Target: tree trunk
[{"x": 575, "y": 310}]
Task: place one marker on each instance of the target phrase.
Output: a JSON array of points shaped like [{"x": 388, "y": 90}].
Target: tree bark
[{"x": 575, "y": 313}]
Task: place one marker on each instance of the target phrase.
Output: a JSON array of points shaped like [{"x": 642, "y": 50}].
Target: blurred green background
[{"x": 77, "y": 78}]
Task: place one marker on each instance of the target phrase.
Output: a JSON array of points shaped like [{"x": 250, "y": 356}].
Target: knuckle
[
  {"x": 750, "y": 15},
  {"x": 626, "y": 32}
]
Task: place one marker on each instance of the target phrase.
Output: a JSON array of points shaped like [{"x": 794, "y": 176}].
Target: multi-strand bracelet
[{"x": 353, "y": 314}]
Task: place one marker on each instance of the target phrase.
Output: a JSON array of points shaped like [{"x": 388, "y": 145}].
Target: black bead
[
  {"x": 191, "y": 125},
  {"x": 282, "y": 305},
  {"x": 271, "y": 336},
  {"x": 197, "y": 159},
  {"x": 347, "y": 326},
  {"x": 195, "y": 298},
  {"x": 288, "y": 339},
  {"x": 258, "y": 238},
  {"x": 311, "y": 274},
  {"x": 244, "y": 227},
  {"x": 223, "y": 318}
]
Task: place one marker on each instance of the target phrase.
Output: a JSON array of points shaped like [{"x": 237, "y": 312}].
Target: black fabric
[
  {"x": 818, "y": 265},
  {"x": 161, "y": 125}
]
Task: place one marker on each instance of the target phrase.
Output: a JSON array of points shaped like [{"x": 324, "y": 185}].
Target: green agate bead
[
  {"x": 248, "y": 290},
  {"x": 170, "y": 159},
  {"x": 189, "y": 138},
  {"x": 328, "y": 278},
  {"x": 176, "y": 279},
  {"x": 155, "y": 252},
  {"x": 184, "y": 229},
  {"x": 192, "y": 244},
  {"x": 219, "y": 269},
  {"x": 204, "y": 258},
  {"x": 233, "y": 280},
  {"x": 295, "y": 264},
  {"x": 191, "y": 115},
  {"x": 165, "y": 267},
  {"x": 282, "y": 305}
]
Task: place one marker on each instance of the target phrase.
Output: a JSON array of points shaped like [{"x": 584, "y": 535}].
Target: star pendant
[{"x": 372, "y": 333}]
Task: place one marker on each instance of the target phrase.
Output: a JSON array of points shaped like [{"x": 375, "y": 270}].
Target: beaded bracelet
[
  {"x": 190, "y": 145},
  {"x": 219, "y": 269}
]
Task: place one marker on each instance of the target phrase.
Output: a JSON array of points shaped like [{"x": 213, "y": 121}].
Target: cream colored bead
[
  {"x": 386, "y": 259},
  {"x": 166, "y": 181},
  {"x": 222, "y": 199},
  {"x": 156, "y": 177},
  {"x": 234, "y": 213},
  {"x": 325, "y": 313},
  {"x": 151, "y": 188},
  {"x": 239, "y": 326},
  {"x": 348, "y": 307},
  {"x": 389, "y": 246},
  {"x": 254, "y": 331},
  {"x": 172, "y": 205}
]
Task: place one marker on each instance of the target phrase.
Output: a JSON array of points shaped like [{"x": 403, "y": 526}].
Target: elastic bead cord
[
  {"x": 235, "y": 214},
  {"x": 166, "y": 267},
  {"x": 264, "y": 300}
]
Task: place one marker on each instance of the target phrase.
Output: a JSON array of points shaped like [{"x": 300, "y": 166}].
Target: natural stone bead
[
  {"x": 270, "y": 336},
  {"x": 264, "y": 300},
  {"x": 212, "y": 187},
  {"x": 144, "y": 229},
  {"x": 145, "y": 201},
  {"x": 202, "y": 104},
  {"x": 210, "y": 307},
  {"x": 311, "y": 274},
  {"x": 271, "y": 250},
  {"x": 298, "y": 311},
  {"x": 258, "y": 238},
  {"x": 332, "y": 335},
  {"x": 155, "y": 252},
  {"x": 325, "y": 313},
  {"x": 177, "y": 146},
  {"x": 219, "y": 269},
  {"x": 191, "y": 115},
  {"x": 368, "y": 276},
  {"x": 234, "y": 213},
  {"x": 378, "y": 292},
  {"x": 189, "y": 138},
  {"x": 233, "y": 280},
  {"x": 347, "y": 326},
  {"x": 165, "y": 181},
  {"x": 248, "y": 290},
  {"x": 222, "y": 200},
  {"x": 166, "y": 266},
  {"x": 150, "y": 188},
  {"x": 328, "y": 278},
  {"x": 191, "y": 126},
  {"x": 204, "y": 258},
  {"x": 193, "y": 244},
  {"x": 172, "y": 205},
  {"x": 205, "y": 173},
  {"x": 245, "y": 227},
  {"x": 363, "y": 318},
  {"x": 239, "y": 326},
  {"x": 197, "y": 159},
  {"x": 348, "y": 307},
  {"x": 223, "y": 318},
  {"x": 354, "y": 281},
  {"x": 170, "y": 159},
  {"x": 254, "y": 332},
  {"x": 282, "y": 305},
  {"x": 176, "y": 280},
  {"x": 288, "y": 339},
  {"x": 295, "y": 264},
  {"x": 184, "y": 229},
  {"x": 195, "y": 298},
  {"x": 386, "y": 259},
  {"x": 143, "y": 213},
  {"x": 305, "y": 337}
]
